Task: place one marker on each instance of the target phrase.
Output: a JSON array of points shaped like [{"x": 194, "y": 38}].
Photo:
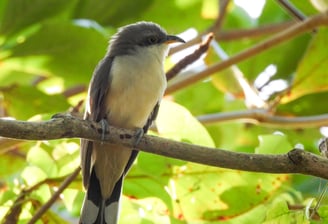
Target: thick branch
[{"x": 296, "y": 161}]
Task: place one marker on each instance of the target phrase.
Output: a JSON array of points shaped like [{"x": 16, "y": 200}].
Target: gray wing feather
[{"x": 98, "y": 90}]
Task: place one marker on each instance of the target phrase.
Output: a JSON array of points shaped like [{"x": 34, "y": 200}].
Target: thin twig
[
  {"x": 54, "y": 197},
  {"x": 223, "y": 5},
  {"x": 263, "y": 117},
  {"x": 15, "y": 210},
  {"x": 203, "y": 47},
  {"x": 229, "y": 35},
  {"x": 299, "y": 28},
  {"x": 74, "y": 90},
  {"x": 237, "y": 34},
  {"x": 292, "y": 9}
]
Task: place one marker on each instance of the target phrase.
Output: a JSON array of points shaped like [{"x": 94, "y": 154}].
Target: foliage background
[{"x": 48, "y": 50}]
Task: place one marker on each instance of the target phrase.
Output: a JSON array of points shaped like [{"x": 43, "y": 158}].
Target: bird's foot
[
  {"x": 61, "y": 115},
  {"x": 139, "y": 133},
  {"x": 104, "y": 129}
]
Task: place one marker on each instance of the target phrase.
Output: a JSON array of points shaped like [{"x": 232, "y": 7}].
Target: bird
[{"x": 125, "y": 91}]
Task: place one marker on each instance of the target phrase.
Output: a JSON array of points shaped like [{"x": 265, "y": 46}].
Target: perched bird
[{"x": 125, "y": 91}]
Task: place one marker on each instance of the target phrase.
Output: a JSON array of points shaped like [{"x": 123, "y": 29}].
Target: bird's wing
[
  {"x": 151, "y": 117},
  {"x": 150, "y": 120},
  {"x": 96, "y": 110}
]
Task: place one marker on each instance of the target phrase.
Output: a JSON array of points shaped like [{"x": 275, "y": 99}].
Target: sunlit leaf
[
  {"x": 150, "y": 210},
  {"x": 202, "y": 93},
  {"x": 311, "y": 72},
  {"x": 176, "y": 122},
  {"x": 42, "y": 193},
  {"x": 49, "y": 47},
  {"x": 111, "y": 12},
  {"x": 25, "y": 101},
  {"x": 67, "y": 157},
  {"x": 211, "y": 193},
  {"x": 33, "y": 175},
  {"x": 37, "y": 156},
  {"x": 63, "y": 49},
  {"x": 72, "y": 200},
  {"x": 175, "y": 13},
  {"x": 305, "y": 105},
  {"x": 320, "y": 5},
  {"x": 273, "y": 144},
  {"x": 279, "y": 213},
  {"x": 18, "y": 14}
]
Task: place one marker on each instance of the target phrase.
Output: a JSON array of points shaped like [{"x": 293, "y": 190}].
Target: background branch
[
  {"x": 66, "y": 126},
  {"x": 289, "y": 7},
  {"x": 264, "y": 117},
  {"x": 54, "y": 197},
  {"x": 297, "y": 29}
]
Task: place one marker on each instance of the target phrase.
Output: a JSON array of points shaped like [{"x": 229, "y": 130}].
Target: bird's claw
[
  {"x": 104, "y": 129},
  {"x": 138, "y": 136}
]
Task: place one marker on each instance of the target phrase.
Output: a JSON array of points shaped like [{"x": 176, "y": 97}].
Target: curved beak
[{"x": 173, "y": 39}]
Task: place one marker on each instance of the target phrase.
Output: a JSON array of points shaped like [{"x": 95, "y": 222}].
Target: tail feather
[{"x": 96, "y": 209}]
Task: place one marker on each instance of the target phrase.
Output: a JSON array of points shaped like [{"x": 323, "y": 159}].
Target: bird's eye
[{"x": 152, "y": 40}]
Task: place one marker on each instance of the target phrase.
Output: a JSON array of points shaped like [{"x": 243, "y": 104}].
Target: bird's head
[{"x": 139, "y": 35}]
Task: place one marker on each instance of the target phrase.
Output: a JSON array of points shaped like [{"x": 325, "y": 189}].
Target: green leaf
[
  {"x": 141, "y": 185},
  {"x": 10, "y": 164},
  {"x": 323, "y": 212},
  {"x": 311, "y": 7},
  {"x": 42, "y": 193},
  {"x": 273, "y": 144},
  {"x": 111, "y": 12},
  {"x": 201, "y": 93},
  {"x": 62, "y": 49},
  {"x": 178, "y": 15},
  {"x": 279, "y": 213},
  {"x": 237, "y": 18},
  {"x": 37, "y": 156},
  {"x": 176, "y": 122},
  {"x": 305, "y": 105},
  {"x": 23, "y": 102},
  {"x": 33, "y": 175},
  {"x": 150, "y": 210},
  {"x": 272, "y": 13},
  {"x": 206, "y": 193},
  {"x": 284, "y": 56},
  {"x": 16, "y": 15},
  {"x": 72, "y": 200},
  {"x": 155, "y": 165},
  {"x": 311, "y": 72},
  {"x": 67, "y": 156}
]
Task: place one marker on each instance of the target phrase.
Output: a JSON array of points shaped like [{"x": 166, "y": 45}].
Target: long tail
[{"x": 97, "y": 210}]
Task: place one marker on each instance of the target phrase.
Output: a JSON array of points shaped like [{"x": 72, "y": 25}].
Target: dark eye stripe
[{"x": 150, "y": 40}]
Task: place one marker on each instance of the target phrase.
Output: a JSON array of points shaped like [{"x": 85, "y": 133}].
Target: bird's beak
[{"x": 173, "y": 39}]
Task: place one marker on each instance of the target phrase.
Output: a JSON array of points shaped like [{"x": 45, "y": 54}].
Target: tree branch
[
  {"x": 236, "y": 34},
  {"x": 289, "y": 7},
  {"x": 297, "y": 29},
  {"x": 54, "y": 197},
  {"x": 264, "y": 117},
  {"x": 63, "y": 126},
  {"x": 189, "y": 59},
  {"x": 15, "y": 210}
]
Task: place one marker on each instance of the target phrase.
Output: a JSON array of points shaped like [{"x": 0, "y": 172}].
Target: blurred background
[{"x": 49, "y": 48}]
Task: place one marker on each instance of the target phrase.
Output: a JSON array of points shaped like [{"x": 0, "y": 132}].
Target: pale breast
[{"x": 137, "y": 84}]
